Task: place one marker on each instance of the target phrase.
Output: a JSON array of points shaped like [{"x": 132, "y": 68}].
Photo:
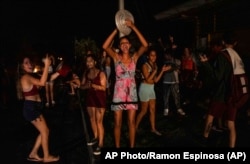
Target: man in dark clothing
[{"x": 221, "y": 72}]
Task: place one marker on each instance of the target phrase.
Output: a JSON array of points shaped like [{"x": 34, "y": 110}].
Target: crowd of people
[{"x": 173, "y": 67}]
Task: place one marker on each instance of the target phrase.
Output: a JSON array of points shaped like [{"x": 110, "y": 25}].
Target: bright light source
[
  {"x": 35, "y": 70},
  {"x": 60, "y": 58}
]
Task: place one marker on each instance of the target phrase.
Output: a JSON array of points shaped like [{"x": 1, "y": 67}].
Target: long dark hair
[{"x": 20, "y": 72}]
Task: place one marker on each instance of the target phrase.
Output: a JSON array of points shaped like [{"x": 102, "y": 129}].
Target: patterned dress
[{"x": 125, "y": 93}]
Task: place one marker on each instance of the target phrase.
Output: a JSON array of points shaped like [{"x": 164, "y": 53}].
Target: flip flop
[{"x": 34, "y": 159}]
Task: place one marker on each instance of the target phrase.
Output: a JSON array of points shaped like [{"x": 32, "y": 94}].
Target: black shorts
[{"x": 32, "y": 110}]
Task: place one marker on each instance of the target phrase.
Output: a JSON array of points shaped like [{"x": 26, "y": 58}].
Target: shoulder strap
[{"x": 150, "y": 66}]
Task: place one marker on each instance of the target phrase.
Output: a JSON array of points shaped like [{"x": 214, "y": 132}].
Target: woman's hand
[
  {"x": 129, "y": 23},
  {"x": 203, "y": 58},
  {"x": 89, "y": 84},
  {"x": 166, "y": 68},
  {"x": 47, "y": 60}
]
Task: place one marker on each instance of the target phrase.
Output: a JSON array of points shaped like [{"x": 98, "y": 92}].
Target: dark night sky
[{"x": 54, "y": 24}]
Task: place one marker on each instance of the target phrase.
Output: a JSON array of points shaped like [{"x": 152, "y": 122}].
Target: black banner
[{"x": 173, "y": 155}]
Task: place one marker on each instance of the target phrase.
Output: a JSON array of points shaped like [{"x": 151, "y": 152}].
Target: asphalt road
[{"x": 70, "y": 130}]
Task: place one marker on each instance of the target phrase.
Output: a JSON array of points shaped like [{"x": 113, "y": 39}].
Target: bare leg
[
  {"x": 117, "y": 127},
  {"x": 92, "y": 117},
  {"x": 47, "y": 92},
  {"x": 144, "y": 107},
  {"x": 51, "y": 84},
  {"x": 232, "y": 133},
  {"x": 34, "y": 152},
  {"x": 208, "y": 125},
  {"x": 152, "y": 116},
  {"x": 42, "y": 127},
  {"x": 131, "y": 125},
  {"x": 100, "y": 128},
  {"x": 72, "y": 88}
]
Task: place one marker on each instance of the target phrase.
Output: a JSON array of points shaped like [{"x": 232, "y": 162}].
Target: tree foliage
[{"x": 84, "y": 46}]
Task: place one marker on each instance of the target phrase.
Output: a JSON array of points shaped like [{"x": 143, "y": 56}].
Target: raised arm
[
  {"x": 43, "y": 79},
  {"x": 107, "y": 45},
  {"x": 144, "y": 43}
]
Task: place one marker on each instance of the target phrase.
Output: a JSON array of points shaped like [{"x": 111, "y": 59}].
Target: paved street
[{"x": 68, "y": 122}]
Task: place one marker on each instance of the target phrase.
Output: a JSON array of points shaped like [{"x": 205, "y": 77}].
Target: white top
[
  {"x": 238, "y": 65},
  {"x": 50, "y": 69}
]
